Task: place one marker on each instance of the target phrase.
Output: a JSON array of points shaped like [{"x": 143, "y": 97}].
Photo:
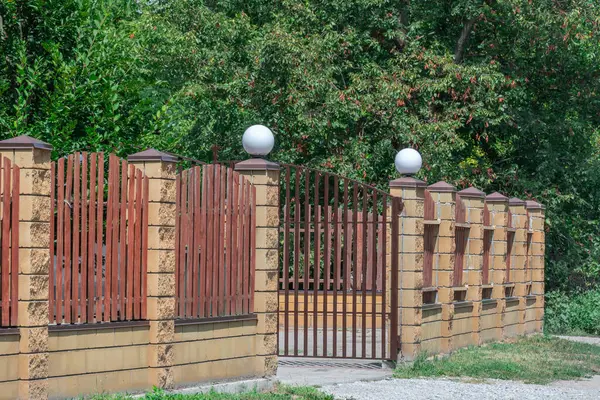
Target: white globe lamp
[
  {"x": 408, "y": 161},
  {"x": 258, "y": 140}
]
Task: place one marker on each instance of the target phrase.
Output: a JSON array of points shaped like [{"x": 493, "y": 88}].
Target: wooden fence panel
[
  {"x": 98, "y": 242},
  {"x": 215, "y": 235}
]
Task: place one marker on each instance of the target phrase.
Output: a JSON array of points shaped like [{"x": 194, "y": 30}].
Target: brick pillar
[
  {"x": 519, "y": 255},
  {"x": 264, "y": 175},
  {"x": 474, "y": 200},
  {"x": 410, "y": 264},
  {"x": 537, "y": 253},
  {"x": 498, "y": 208},
  {"x": 161, "y": 170},
  {"x": 443, "y": 195},
  {"x": 33, "y": 157}
]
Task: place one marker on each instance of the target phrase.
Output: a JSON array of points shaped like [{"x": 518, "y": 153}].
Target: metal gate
[{"x": 338, "y": 296}]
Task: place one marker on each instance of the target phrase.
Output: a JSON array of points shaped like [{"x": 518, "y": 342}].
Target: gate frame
[{"x": 390, "y": 261}]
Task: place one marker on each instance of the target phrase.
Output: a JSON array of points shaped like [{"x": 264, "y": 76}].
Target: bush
[{"x": 576, "y": 313}]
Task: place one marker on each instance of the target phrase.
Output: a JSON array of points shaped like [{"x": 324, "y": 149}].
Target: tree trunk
[{"x": 461, "y": 46}]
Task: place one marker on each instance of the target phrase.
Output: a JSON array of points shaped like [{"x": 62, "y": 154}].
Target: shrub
[{"x": 576, "y": 313}]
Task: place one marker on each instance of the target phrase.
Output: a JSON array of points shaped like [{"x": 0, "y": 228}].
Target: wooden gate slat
[
  {"x": 136, "y": 220},
  {"x": 14, "y": 234},
  {"x": 121, "y": 310},
  {"x": 52, "y": 274},
  {"x": 76, "y": 234},
  {"x": 67, "y": 242},
  {"x": 130, "y": 265},
  {"x": 99, "y": 236},
  {"x": 84, "y": 287},
  {"x": 144, "y": 228}
]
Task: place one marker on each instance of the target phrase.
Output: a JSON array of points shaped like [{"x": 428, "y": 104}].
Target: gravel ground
[{"x": 422, "y": 389}]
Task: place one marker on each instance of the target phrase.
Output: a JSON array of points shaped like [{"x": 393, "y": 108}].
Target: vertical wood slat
[
  {"x": 252, "y": 257},
  {"x": 67, "y": 241},
  {"x": 196, "y": 242},
  {"x": 336, "y": 260},
  {"x": 396, "y": 209},
  {"x": 99, "y": 248},
  {"x": 75, "y": 266},
  {"x": 364, "y": 270},
  {"x": 296, "y": 256},
  {"x": 109, "y": 232},
  {"x": 136, "y": 221},
  {"x": 487, "y": 244},
  {"x": 128, "y": 264},
  {"x": 383, "y": 266},
  {"x": 355, "y": 264},
  {"x": 60, "y": 222},
  {"x": 112, "y": 294},
  {"x": 189, "y": 231},
  {"x": 178, "y": 246},
  {"x": 5, "y": 242},
  {"x": 326, "y": 260},
  {"x": 306, "y": 270},
  {"x": 347, "y": 268},
  {"x": 52, "y": 274},
  {"x": 316, "y": 263},
  {"x": 373, "y": 253},
  {"x": 239, "y": 258},
  {"x": 460, "y": 241},
  {"x": 247, "y": 254},
  {"x": 509, "y": 244},
  {"x": 286, "y": 270},
  {"x": 221, "y": 247},
  {"x": 144, "y": 271},
  {"x": 209, "y": 238},
  {"x": 120, "y": 308},
  {"x": 235, "y": 244},
  {"x": 14, "y": 234},
  {"x": 84, "y": 286},
  {"x": 92, "y": 294}
]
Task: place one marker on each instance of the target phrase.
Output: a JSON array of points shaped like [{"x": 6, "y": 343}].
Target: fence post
[
  {"x": 160, "y": 168},
  {"x": 517, "y": 274},
  {"x": 498, "y": 208},
  {"x": 443, "y": 195},
  {"x": 33, "y": 158},
  {"x": 474, "y": 203},
  {"x": 410, "y": 265},
  {"x": 264, "y": 175},
  {"x": 536, "y": 274}
]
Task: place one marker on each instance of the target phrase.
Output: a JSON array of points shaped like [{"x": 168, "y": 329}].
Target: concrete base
[{"x": 258, "y": 385}]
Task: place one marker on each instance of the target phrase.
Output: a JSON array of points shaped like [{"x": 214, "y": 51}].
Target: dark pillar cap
[
  {"x": 257, "y": 164},
  {"x": 152, "y": 155},
  {"x": 24, "y": 142}
]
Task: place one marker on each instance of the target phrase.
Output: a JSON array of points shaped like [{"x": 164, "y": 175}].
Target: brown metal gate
[{"x": 338, "y": 296}]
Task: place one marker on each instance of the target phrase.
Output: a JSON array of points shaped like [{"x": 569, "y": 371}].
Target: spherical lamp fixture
[
  {"x": 408, "y": 161},
  {"x": 258, "y": 140}
]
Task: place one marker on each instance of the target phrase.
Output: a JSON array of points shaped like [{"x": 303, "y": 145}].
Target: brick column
[
  {"x": 537, "y": 254},
  {"x": 264, "y": 175},
  {"x": 519, "y": 255},
  {"x": 498, "y": 208},
  {"x": 161, "y": 170},
  {"x": 410, "y": 263},
  {"x": 474, "y": 200},
  {"x": 443, "y": 195},
  {"x": 33, "y": 157}
]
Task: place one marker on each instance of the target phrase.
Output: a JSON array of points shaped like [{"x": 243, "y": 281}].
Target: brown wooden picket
[
  {"x": 98, "y": 243},
  {"x": 9, "y": 246},
  {"x": 215, "y": 240}
]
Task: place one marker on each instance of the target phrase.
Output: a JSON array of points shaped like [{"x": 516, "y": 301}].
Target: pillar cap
[
  {"x": 257, "y": 164},
  {"x": 441, "y": 187},
  {"x": 24, "y": 142},
  {"x": 515, "y": 201},
  {"x": 496, "y": 198},
  {"x": 152, "y": 155},
  {"x": 407, "y": 182},
  {"x": 472, "y": 192},
  {"x": 534, "y": 205}
]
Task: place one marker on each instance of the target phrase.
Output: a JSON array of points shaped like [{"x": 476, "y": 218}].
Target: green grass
[
  {"x": 536, "y": 359},
  {"x": 281, "y": 392}
]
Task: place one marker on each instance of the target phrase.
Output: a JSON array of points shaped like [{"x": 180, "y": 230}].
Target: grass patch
[
  {"x": 536, "y": 359},
  {"x": 281, "y": 392}
]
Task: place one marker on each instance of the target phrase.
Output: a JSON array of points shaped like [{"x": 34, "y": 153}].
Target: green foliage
[
  {"x": 281, "y": 392},
  {"x": 535, "y": 359},
  {"x": 502, "y": 94},
  {"x": 574, "y": 314}
]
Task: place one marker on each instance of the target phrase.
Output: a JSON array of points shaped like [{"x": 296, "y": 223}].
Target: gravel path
[{"x": 421, "y": 389}]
